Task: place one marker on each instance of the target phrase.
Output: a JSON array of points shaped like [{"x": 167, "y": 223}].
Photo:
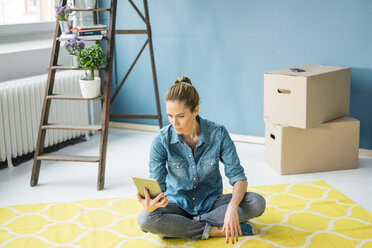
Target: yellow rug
[{"x": 298, "y": 215}]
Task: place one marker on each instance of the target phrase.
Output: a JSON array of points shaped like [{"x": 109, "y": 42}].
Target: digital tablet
[{"x": 151, "y": 184}]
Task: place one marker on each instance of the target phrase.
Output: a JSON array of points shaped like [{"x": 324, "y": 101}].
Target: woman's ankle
[
  {"x": 248, "y": 228},
  {"x": 216, "y": 232}
]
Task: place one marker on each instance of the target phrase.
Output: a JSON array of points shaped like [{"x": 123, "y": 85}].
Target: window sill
[{"x": 29, "y": 43}]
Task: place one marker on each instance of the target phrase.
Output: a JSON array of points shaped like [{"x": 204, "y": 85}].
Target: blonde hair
[{"x": 183, "y": 91}]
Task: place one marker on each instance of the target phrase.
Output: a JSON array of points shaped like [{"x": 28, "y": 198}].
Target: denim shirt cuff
[{"x": 237, "y": 179}]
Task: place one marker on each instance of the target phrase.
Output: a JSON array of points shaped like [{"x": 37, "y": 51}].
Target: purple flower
[
  {"x": 59, "y": 10},
  {"x": 81, "y": 44},
  {"x": 63, "y": 12},
  {"x": 74, "y": 46},
  {"x": 67, "y": 10}
]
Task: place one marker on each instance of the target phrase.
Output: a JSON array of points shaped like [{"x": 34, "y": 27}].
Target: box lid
[{"x": 308, "y": 70}]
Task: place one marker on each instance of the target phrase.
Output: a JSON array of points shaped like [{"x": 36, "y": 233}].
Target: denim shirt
[{"x": 193, "y": 181}]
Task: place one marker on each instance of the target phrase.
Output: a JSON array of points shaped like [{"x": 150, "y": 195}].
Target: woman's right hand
[{"x": 151, "y": 205}]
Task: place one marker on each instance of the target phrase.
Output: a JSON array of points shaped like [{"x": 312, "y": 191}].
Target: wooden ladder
[
  {"x": 146, "y": 19},
  {"x": 104, "y": 98}
]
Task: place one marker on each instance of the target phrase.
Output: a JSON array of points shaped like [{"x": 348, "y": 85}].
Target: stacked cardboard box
[{"x": 307, "y": 127}]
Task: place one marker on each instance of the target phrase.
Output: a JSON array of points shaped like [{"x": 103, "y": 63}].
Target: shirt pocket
[
  {"x": 177, "y": 169},
  {"x": 210, "y": 167}
]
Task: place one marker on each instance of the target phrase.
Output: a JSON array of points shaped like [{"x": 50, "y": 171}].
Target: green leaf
[{"x": 92, "y": 58}]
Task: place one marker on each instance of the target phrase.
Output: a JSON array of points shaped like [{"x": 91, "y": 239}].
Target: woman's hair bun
[{"x": 183, "y": 79}]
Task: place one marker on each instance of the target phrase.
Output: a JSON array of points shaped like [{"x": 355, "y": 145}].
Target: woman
[{"x": 184, "y": 159}]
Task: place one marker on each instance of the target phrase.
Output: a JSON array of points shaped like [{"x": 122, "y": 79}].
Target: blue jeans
[{"x": 173, "y": 221}]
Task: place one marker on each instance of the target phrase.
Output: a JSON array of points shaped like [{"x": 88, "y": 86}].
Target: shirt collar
[
  {"x": 175, "y": 137},
  {"x": 204, "y": 136}
]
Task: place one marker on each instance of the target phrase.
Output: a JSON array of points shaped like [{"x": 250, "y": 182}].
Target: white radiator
[{"x": 21, "y": 103}]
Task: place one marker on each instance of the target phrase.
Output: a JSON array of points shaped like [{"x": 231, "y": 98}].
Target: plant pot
[
  {"x": 74, "y": 60},
  {"x": 90, "y": 4},
  {"x": 65, "y": 27},
  {"x": 90, "y": 88}
]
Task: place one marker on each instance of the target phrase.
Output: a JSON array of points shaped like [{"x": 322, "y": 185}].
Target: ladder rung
[
  {"x": 63, "y": 67},
  {"x": 101, "y": 9},
  {"x": 131, "y": 31},
  {"x": 66, "y": 97},
  {"x": 103, "y": 38},
  {"x": 95, "y": 128},
  {"x": 56, "y": 157},
  {"x": 125, "y": 116}
]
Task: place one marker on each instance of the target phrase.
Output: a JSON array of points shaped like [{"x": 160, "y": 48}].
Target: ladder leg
[
  {"x": 46, "y": 108},
  {"x": 152, "y": 58},
  {"x": 102, "y": 161},
  {"x": 35, "y": 173},
  {"x": 106, "y": 98},
  {"x": 42, "y": 132}
]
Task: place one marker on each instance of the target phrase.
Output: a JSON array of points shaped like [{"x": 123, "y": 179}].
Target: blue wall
[{"x": 226, "y": 46}]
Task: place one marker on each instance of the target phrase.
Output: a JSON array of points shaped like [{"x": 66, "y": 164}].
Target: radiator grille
[{"x": 20, "y": 105}]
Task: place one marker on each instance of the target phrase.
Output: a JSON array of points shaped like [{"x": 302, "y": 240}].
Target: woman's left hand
[{"x": 231, "y": 225}]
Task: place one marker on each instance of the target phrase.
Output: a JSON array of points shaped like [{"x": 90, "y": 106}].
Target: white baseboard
[
  {"x": 134, "y": 126},
  {"x": 365, "y": 153},
  {"x": 234, "y": 137},
  {"x": 247, "y": 138}
]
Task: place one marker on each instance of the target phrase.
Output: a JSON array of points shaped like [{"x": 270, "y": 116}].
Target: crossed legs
[{"x": 173, "y": 221}]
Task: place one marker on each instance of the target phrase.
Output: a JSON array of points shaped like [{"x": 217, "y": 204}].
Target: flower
[
  {"x": 63, "y": 13},
  {"x": 74, "y": 46}
]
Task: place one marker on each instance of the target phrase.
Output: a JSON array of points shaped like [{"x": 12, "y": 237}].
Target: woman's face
[{"x": 181, "y": 118}]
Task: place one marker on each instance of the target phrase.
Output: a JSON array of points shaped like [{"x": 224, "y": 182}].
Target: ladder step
[
  {"x": 126, "y": 116},
  {"x": 72, "y": 158},
  {"x": 103, "y": 38},
  {"x": 66, "y": 97},
  {"x": 94, "y": 128},
  {"x": 101, "y": 9},
  {"x": 63, "y": 67},
  {"x": 131, "y": 31}
]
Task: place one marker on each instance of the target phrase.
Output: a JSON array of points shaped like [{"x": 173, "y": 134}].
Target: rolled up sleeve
[
  {"x": 157, "y": 164},
  {"x": 229, "y": 157}
]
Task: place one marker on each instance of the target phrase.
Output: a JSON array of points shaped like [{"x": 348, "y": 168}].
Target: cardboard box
[
  {"x": 333, "y": 145},
  {"x": 306, "y": 99}
]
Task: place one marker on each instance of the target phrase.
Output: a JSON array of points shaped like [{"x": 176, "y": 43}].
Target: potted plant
[
  {"x": 73, "y": 47},
  {"x": 63, "y": 14},
  {"x": 91, "y": 59}
]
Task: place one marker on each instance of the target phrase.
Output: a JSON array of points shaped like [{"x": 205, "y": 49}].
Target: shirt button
[
  {"x": 195, "y": 209},
  {"x": 194, "y": 179},
  {"x": 194, "y": 187},
  {"x": 193, "y": 166},
  {"x": 211, "y": 163},
  {"x": 193, "y": 198},
  {"x": 178, "y": 166},
  {"x": 190, "y": 155}
]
